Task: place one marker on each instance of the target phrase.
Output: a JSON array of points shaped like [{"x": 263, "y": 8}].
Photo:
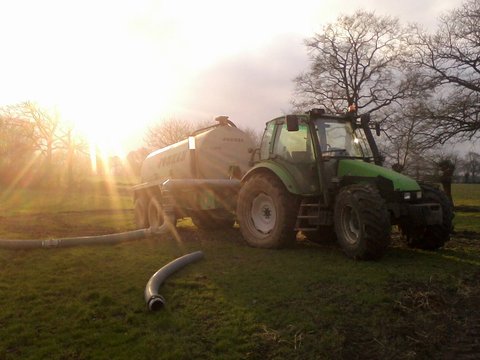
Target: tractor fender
[{"x": 279, "y": 171}]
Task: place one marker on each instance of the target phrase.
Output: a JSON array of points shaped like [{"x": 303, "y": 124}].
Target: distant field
[
  {"x": 467, "y": 197},
  {"x": 98, "y": 208},
  {"x": 306, "y": 302},
  {"x": 466, "y": 194},
  {"x": 95, "y": 196}
]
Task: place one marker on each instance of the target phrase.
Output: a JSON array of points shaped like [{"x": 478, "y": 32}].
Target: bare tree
[
  {"x": 39, "y": 132},
  {"x": 471, "y": 166},
  {"x": 45, "y": 136},
  {"x": 358, "y": 60},
  {"x": 255, "y": 135},
  {"x": 450, "y": 60},
  {"x": 74, "y": 146},
  {"x": 135, "y": 159},
  {"x": 16, "y": 146},
  {"x": 170, "y": 131},
  {"x": 447, "y": 168},
  {"x": 405, "y": 147}
]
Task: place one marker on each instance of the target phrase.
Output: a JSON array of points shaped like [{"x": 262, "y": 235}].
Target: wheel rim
[
  {"x": 350, "y": 225},
  {"x": 263, "y": 213}
]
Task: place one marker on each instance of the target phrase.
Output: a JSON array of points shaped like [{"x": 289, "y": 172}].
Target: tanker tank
[{"x": 217, "y": 150}]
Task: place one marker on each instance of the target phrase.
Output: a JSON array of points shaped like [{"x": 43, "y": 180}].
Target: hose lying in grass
[
  {"x": 152, "y": 298},
  {"x": 84, "y": 240}
]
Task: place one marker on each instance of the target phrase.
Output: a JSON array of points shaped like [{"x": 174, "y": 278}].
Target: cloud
[{"x": 251, "y": 88}]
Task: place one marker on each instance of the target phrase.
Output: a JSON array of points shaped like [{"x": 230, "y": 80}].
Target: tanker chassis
[{"x": 316, "y": 173}]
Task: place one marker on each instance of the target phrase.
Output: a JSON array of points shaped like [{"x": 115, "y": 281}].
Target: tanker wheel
[
  {"x": 362, "y": 222},
  {"x": 141, "y": 213},
  {"x": 155, "y": 213},
  {"x": 267, "y": 212},
  {"x": 213, "y": 219},
  {"x": 432, "y": 237}
]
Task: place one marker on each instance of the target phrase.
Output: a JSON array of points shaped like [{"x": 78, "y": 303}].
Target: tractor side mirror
[
  {"x": 292, "y": 122},
  {"x": 365, "y": 119}
]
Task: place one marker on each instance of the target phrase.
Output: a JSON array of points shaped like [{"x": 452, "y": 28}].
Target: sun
[
  {"x": 113, "y": 119},
  {"x": 111, "y": 132}
]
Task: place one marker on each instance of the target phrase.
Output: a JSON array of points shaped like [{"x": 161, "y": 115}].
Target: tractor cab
[
  {"x": 339, "y": 136},
  {"x": 310, "y": 147}
]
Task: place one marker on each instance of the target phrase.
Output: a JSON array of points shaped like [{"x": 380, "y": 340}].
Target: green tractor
[{"x": 321, "y": 174}]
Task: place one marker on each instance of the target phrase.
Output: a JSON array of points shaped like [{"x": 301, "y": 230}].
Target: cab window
[
  {"x": 265, "y": 146},
  {"x": 294, "y": 146}
]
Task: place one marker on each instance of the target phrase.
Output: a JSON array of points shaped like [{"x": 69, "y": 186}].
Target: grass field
[{"x": 306, "y": 302}]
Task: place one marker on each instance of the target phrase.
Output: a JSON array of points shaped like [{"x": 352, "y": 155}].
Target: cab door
[{"x": 294, "y": 151}]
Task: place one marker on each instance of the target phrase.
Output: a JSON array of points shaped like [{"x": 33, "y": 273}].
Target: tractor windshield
[{"x": 338, "y": 139}]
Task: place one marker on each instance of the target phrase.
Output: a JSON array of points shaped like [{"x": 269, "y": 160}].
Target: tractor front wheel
[
  {"x": 267, "y": 212},
  {"x": 432, "y": 237},
  {"x": 362, "y": 222}
]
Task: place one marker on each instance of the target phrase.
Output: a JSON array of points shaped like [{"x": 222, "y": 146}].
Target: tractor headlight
[
  {"x": 407, "y": 196},
  {"x": 419, "y": 194}
]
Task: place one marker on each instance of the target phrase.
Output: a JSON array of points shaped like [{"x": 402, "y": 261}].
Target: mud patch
[{"x": 440, "y": 321}]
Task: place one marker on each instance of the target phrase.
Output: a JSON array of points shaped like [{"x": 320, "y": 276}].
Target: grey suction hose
[
  {"x": 83, "y": 240},
  {"x": 152, "y": 298}
]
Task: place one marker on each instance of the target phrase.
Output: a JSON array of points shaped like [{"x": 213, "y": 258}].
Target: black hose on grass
[
  {"x": 154, "y": 300},
  {"x": 18, "y": 244}
]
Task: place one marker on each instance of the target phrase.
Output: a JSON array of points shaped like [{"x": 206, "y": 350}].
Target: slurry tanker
[{"x": 317, "y": 173}]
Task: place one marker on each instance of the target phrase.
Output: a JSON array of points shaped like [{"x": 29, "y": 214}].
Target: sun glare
[
  {"x": 112, "y": 119},
  {"x": 112, "y": 74}
]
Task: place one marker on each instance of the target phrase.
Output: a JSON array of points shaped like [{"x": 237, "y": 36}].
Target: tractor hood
[{"x": 364, "y": 169}]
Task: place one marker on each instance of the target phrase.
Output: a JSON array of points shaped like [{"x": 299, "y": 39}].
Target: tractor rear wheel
[
  {"x": 267, "y": 212},
  {"x": 362, "y": 222},
  {"x": 432, "y": 237}
]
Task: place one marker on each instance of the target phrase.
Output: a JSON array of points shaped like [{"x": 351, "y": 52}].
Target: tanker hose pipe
[
  {"x": 110, "y": 239},
  {"x": 155, "y": 301}
]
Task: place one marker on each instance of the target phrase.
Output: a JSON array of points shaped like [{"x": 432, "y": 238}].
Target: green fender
[
  {"x": 364, "y": 169},
  {"x": 270, "y": 166}
]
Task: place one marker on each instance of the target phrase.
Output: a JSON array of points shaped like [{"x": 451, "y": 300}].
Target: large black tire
[
  {"x": 155, "y": 213},
  {"x": 432, "y": 237},
  {"x": 141, "y": 213},
  {"x": 267, "y": 212},
  {"x": 213, "y": 219},
  {"x": 362, "y": 222}
]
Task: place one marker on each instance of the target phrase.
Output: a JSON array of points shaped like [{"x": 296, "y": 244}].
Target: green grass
[
  {"x": 466, "y": 194},
  {"x": 306, "y": 302},
  {"x": 95, "y": 196},
  {"x": 467, "y": 197}
]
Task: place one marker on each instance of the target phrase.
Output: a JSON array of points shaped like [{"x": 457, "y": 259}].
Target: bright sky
[{"x": 114, "y": 67}]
